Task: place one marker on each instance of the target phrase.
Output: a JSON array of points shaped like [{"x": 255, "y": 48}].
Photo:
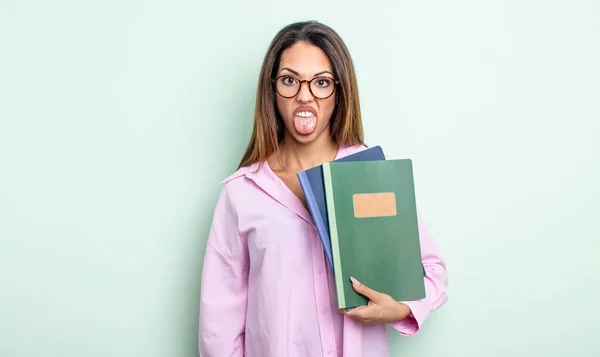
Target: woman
[{"x": 266, "y": 290}]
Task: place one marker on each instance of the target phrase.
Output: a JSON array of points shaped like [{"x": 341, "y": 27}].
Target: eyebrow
[
  {"x": 323, "y": 72},
  {"x": 298, "y": 74}
]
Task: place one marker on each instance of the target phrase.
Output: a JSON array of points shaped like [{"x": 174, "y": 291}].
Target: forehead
[{"x": 305, "y": 59}]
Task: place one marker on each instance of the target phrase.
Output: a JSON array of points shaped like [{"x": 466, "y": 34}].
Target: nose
[{"x": 304, "y": 95}]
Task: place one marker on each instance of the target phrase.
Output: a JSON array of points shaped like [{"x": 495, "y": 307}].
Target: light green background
[{"x": 112, "y": 115}]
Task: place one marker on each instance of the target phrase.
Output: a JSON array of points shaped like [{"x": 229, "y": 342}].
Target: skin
[
  {"x": 298, "y": 151},
  {"x": 381, "y": 308},
  {"x": 302, "y": 151}
]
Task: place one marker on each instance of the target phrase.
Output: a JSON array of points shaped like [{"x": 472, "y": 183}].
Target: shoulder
[
  {"x": 245, "y": 189},
  {"x": 240, "y": 180},
  {"x": 351, "y": 149}
]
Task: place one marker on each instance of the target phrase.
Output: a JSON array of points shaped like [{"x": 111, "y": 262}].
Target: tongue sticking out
[{"x": 305, "y": 125}]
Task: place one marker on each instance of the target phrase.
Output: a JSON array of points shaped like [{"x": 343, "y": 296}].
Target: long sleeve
[
  {"x": 224, "y": 286},
  {"x": 436, "y": 281}
]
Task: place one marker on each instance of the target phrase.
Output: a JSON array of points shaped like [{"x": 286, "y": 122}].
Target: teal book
[{"x": 372, "y": 215}]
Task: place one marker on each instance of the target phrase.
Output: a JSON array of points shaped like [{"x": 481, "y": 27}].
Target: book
[
  {"x": 374, "y": 234},
  {"x": 311, "y": 182}
]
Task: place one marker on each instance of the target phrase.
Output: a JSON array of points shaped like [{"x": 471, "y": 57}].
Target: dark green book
[{"x": 372, "y": 214}]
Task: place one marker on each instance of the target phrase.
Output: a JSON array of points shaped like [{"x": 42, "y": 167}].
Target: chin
[{"x": 306, "y": 139}]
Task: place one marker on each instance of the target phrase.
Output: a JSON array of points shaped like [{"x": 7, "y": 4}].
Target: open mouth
[{"x": 305, "y": 120}]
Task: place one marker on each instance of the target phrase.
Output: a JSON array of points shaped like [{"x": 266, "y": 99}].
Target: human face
[{"x": 305, "y": 117}]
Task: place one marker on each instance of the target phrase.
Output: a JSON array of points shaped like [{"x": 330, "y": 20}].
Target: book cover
[
  {"x": 373, "y": 227},
  {"x": 311, "y": 182}
]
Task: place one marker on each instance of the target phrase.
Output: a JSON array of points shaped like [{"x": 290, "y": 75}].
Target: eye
[
  {"x": 288, "y": 81},
  {"x": 323, "y": 82}
]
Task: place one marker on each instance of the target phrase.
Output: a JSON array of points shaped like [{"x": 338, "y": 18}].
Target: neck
[{"x": 297, "y": 157}]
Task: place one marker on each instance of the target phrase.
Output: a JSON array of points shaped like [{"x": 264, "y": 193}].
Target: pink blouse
[{"x": 266, "y": 288}]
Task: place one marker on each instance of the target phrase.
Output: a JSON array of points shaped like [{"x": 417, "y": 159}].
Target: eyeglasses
[{"x": 320, "y": 87}]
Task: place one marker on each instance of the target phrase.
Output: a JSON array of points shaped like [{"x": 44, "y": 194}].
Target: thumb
[{"x": 364, "y": 290}]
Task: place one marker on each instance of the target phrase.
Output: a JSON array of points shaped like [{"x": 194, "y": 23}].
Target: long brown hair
[{"x": 346, "y": 123}]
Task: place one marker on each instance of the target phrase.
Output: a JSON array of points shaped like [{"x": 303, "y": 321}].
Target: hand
[{"x": 381, "y": 308}]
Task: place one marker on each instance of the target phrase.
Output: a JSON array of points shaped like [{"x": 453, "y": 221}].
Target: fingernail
[{"x": 354, "y": 281}]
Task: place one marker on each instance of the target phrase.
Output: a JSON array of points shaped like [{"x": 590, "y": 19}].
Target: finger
[
  {"x": 351, "y": 311},
  {"x": 364, "y": 290},
  {"x": 362, "y": 314},
  {"x": 355, "y": 313}
]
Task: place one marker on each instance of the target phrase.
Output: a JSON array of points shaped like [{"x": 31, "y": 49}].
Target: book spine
[
  {"x": 333, "y": 235},
  {"x": 316, "y": 215}
]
